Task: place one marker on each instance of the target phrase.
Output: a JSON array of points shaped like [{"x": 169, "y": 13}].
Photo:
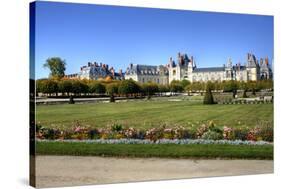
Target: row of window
[{"x": 155, "y": 80}]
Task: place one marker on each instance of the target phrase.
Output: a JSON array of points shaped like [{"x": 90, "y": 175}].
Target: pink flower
[{"x": 77, "y": 129}]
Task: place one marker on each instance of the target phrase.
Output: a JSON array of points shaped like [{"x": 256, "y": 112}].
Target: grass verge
[{"x": 156, "y": 150}]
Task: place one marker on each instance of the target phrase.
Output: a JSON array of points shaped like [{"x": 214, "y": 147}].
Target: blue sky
[{"x": 114, "y": 35}]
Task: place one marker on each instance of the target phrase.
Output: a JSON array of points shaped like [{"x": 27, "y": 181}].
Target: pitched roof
[
  {"x": 210, "y": 69},
  {"x": 143, "y": 69}
]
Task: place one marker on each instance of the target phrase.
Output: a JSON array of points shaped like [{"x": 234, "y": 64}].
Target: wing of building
[
  {"x": 95, "y": 71},
  {"x": 185, "y": 68},
  {"x": 146, "y": 73}
]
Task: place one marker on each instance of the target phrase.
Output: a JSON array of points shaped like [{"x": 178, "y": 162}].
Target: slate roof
[
  {"x": 143, "y": 69},
  {"x": 211, "y": 69}
]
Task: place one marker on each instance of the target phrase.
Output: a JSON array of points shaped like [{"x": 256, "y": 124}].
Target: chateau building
[
  {"x": 146, "y": 73},
  {"x": 186, "y": 69},
  {"x": 95, "y": 71}
]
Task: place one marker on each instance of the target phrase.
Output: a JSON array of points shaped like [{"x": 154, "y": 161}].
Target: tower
[
  {"x": 190, "y": 69},
  {"x": 252, "y": 68},
  {"x": 229, "y": 70}
]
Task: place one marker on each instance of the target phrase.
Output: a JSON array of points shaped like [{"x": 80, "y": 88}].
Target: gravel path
[{"x": 54, "y": 171}]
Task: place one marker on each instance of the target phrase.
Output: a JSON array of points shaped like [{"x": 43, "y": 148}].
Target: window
[{"x": 174, "y": 72}]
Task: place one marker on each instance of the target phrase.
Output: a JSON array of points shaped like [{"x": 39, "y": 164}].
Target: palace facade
[{"x": 185, "y": 68}]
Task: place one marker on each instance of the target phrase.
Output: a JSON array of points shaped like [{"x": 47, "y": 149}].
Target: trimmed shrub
[
  {"x": 208, "y": 98},
  {"x": 71, "y": 100}
]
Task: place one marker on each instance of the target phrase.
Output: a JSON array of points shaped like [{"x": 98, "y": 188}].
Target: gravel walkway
[{"x": 54, "y": 171}]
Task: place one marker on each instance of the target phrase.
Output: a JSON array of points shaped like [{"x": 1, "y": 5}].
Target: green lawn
[
  {"x": 156, "y": 150},
  {"x": 147, "y": 114}
]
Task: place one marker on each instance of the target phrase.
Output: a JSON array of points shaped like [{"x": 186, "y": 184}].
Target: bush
[
  {"x": 265, "y": 132},
  {"x": 201, "y": 130},
  {"x": 93, "y": 134},
  {"x": 154, "y": 134},
  {"x": 212, "y": 135},
  {"x": 181, "y": 133},
  {"x": 116, "y": 127},
  {"x": 51, "y": 134},
  {"x": 140, "y": 134},
  {"x": 130, "y": 133},
  {"x": 240, "y": 134}
]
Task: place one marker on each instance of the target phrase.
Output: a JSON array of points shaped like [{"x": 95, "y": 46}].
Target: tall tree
[{"x": 56, "y": 65}]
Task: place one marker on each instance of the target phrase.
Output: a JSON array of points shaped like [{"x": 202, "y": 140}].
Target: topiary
[
  {"x": 208, "y": 98},
  {"x": 71, "y": 100}
]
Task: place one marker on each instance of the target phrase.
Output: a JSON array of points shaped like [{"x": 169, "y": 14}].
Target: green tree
[
  {"x": 56, "y": 66},
  {"x": 65, "y": 86},
  {"x": 79, "y": 87},
  {"x": 208, "y": 98},
  {"x": 175, "y": 86},
  {"x": 111, "y": 90},
  {"x": 127, "y": 87},
  {"x": 245, "y": 87},
  {"x": 253, "y": 87},
  {"x": 96, "y": 87},
  {"x": 39, "y": 85},
  {"x": 150, "y": 89},
  {"x": 163, "y": 88},
  {"x": 49, "y": 86},
  {"x": 230, "y": 86},
  {"x": 184, "y": 83}
]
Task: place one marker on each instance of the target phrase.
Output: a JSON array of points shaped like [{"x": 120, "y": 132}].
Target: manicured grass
[
  {"x": 156, "y": 150},
  {"x": 146, "y": 114}
]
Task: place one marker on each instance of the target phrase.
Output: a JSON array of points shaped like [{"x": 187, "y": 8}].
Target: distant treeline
[{"x": 76, "y": 87}]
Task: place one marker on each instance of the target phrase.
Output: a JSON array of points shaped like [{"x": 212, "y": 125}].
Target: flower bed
[
  {"x": 163, "y": 141},
  {"x": 204, "y": 132}
]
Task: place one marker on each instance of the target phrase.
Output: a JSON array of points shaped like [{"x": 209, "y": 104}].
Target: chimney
[
  {"x": 106, "y": 66},
  {"x": 266, "y": 60},
  {"x": 182, "y": 60},
  {"x": 248, "y": 56},
  {"x": 239, "y": 65},
  {"x": 191, "y": 61},
  {"x": 89, "y": 64},
  {"x": 81, "y": 68},
  {"x": 171, "y": 62},
  {"x": 112, "y": 72},
  {"x": 131, "y": 65},
  {"x": 100, "y": 64},
  {"x": 120, "y": 72}
]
